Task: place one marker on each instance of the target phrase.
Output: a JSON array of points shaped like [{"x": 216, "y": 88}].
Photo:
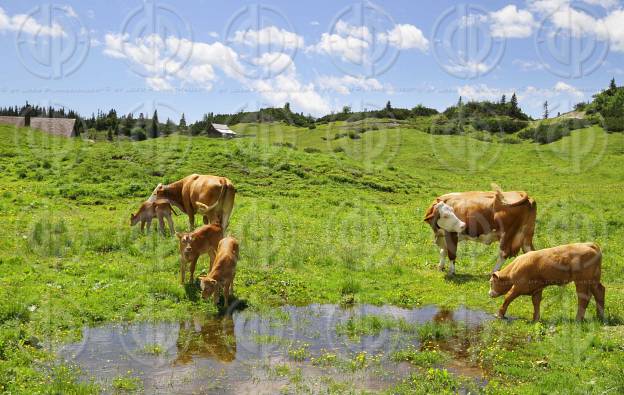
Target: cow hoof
[{"x": 441, "y": 268}]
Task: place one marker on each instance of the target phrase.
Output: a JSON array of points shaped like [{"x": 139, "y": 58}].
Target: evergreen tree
[
  {"x": 126, "y": 125},
  {"x": 388, "y": 106},
  {"x": 546, "y": 109},
  {"x": 153, "y": 130},
  {"x": 612, "y": 87},
  {"x": 513, "y": 105},
  {"x": 287, "y": 107},
  {"x": 503, "y": 100},
  {"x": 182, "y": 124}
]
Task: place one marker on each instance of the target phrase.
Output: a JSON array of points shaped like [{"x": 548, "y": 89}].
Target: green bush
[
  {"x": 613, "y": 123},
  {"x": 546, "y": 133}
]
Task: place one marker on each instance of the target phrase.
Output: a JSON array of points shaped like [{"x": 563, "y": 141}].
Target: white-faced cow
[
  {"x": 507, "y": 217},
  {"x": 209, "y": 196}
]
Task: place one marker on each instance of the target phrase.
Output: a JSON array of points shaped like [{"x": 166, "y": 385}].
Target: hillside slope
[{"x": 314, "y": 226}]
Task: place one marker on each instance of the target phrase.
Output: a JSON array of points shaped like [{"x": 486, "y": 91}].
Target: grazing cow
[
  {"x": 222, "y": 273},
  {"x": 215, "y": 193},
  {"x": 159, "y": 208},
  {"x": 202, "y": 240},
  {"x": 508, "y": 217},
  {"x": 206, "y": 339},
  {"x": 530, "y": 273}
]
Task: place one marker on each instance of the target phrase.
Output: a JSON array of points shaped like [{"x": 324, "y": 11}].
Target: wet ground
[{"x": 287, "y": 349}]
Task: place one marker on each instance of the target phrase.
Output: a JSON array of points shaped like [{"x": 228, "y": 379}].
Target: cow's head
[
  {"x": 133, "y": 219},
  {"x": 498, "y": 285},
  {"x": 208, "y": 286},
  {"x": 186, "y": 244},
  {"x": 442, "y": 216}
]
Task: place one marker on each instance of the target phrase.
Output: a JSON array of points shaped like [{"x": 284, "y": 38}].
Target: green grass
[{"x": 343, "y": 218}]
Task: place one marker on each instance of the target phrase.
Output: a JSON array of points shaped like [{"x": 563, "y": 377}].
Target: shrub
[
  {"x": 311, "y": 150},
  {"x": 546, "y": 133},
  {"x": 613, "y": 123},
  {"x": 338, "y": 149}
]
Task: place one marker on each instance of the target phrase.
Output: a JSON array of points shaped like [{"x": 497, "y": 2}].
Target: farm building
[
  {"x": 15, "y": 121},
  {"x": 57, "y": 126},
  {"x": 219, "y": 130}
]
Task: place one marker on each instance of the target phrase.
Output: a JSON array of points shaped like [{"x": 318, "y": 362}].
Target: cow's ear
[
  {"x": 179, "y": 235},
  {"x": 495, "y": 275}
]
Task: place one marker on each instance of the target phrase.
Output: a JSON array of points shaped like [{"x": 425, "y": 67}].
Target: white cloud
[
  {"x": 69, "y": 11},
  {"x": 405, "y": 36},
  {"x": 158, "y": 83},
  {"x": 351, "y": 49},
  {"x": 271, "y": 36},
  {"x": 213, "y": 34},
  {"x": 579, "y": 23},
  {"x": 314, "y": 23},
  {"x": 469, "y": 67},
  {"x": 346, "y": 84},
  {"x": 274, "y": 63},
  {"x": 528, "y": 65},
  {"x": 26, "y": 24},
  {"x": 170, "y": 60},
  {"x": 566, "y": 88},
  {"x": 510, "y": 22}
]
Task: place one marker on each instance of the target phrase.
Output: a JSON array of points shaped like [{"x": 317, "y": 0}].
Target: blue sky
[{"x": 208, "y": 56}]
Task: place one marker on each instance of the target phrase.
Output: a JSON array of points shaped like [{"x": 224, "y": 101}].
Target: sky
[{"x": 201, "y": 56}]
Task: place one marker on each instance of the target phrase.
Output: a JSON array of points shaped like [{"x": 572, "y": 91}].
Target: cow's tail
[
  {"x": 228, "y": 203},
  {"x": 500, "y": 198}
]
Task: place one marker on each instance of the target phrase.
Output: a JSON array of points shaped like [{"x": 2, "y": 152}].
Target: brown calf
[
  {"x": 204, "y": 239},
  {"x": 530, "y": 273},
  {"x": 159, "y": 208},
  {"x": 222, "y": 273}
]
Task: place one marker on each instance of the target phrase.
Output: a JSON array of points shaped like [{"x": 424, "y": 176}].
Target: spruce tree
[{"x": 153, "y": 130}]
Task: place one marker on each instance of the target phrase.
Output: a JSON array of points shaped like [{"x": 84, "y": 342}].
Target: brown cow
[
  {"x": 530, "y": 273},
  {"x": 202, "y": 240},
  {"x": 508, "y": 217},
  {"x": 216, "y": 194},
  {"x": 222, "y": 273},
  {"x": 159, "y": 208}
]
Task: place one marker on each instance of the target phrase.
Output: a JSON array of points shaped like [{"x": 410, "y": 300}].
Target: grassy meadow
[{"x": 323, "y": 217}]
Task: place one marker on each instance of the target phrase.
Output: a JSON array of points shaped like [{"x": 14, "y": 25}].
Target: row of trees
[
  {"x": 609, "y": 105},
  {"x": 388, "y": 112}
]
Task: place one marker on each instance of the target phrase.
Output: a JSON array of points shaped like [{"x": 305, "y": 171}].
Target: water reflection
[{"x": 239, "y": 353}]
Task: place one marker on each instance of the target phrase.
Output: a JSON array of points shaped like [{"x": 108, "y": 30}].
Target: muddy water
[{"x": 253, "y": 353}]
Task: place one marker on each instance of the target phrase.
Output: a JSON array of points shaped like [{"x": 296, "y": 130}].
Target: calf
[
  {"x": 202, "y": 240},
  {"x": 159, "y": 208},
  {"x": 530, "y": 273},
  {"x": 222, "y": 273}
]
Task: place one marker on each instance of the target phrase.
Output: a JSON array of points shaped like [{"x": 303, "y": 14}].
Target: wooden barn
[{"x": 219, "y": 130}]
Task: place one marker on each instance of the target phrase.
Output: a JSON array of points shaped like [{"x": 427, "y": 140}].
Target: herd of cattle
[{"x": 506, "y": 217}]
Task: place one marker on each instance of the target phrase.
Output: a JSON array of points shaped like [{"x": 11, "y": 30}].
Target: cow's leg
[
  {"x": 171, "y": 226},
  {"x": 598, "y": 290},
  {"x": 215, "y": 295},
  {"x": 161, "y": 224},
  {"x": 537, "y": 299},
  {"x": 583, "y": 294},
  {"x": 191, "y": 221},
  {"x": 226, "y": 293},
  {"x": 212, "y": 254},
  {"x": 206, "y": 220},
  {"x": 149, "y": 225},
  {"x": 142, "y": 226},
  {"x": 193, "y": 263},
  {"x": 182, "y": 269},
  {"x": 442, "y": 245},
  {"x": 509, "y": 297},
  {"x": 499, "y": 261},
  {"x": 451, "y": 240}
]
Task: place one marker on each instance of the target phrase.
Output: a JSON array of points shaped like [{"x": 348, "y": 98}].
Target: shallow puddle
[{"x": 288, "y": 349}]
